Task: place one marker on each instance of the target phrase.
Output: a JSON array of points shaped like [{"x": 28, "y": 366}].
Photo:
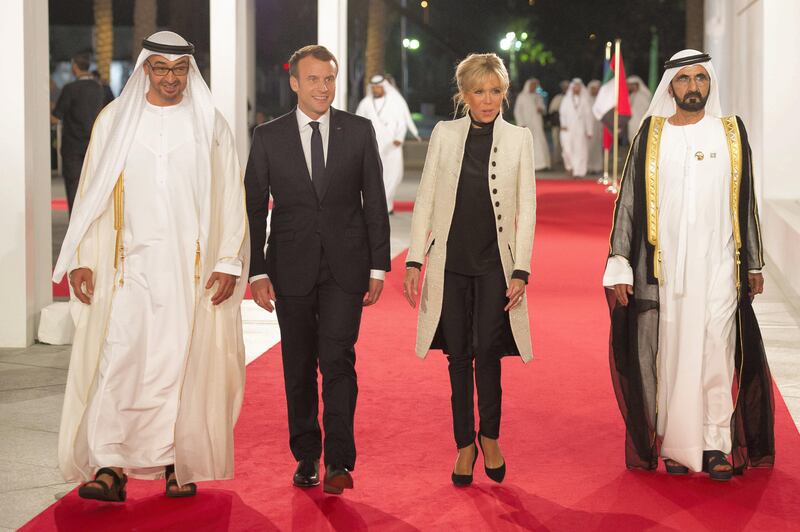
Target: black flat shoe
[
  {"x": 465, "y": 480},
  {"x": 712, "y": 459},
  {"x": 307, "y": 474},
  {"x": 100, "y": 491},
  {"x": 674, "y": 468},
  {"x": 337, "y": 479},
  {"x": 173, "y": 489},
  {"x": 498, "y": 473}
]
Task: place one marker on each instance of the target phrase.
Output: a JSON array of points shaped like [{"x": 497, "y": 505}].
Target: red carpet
[{"x": 562, "y": 434}]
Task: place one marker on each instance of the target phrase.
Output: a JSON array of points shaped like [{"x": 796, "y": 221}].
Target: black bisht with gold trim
[{"x": 634, "y": 328}]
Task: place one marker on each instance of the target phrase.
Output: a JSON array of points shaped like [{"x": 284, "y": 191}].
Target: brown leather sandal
[
  {"x": 173, "y": 489},
  {"x": 100, "y": 491}
]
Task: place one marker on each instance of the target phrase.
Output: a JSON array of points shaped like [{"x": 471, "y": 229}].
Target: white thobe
[
  {"x": 132, "y": 416},
  {"x": 555, "y": 131},
  {"x": 595, "y": 163},
  {"x": 575, "y": 116},
  {"x": 388, "y": 117},
  {"x": 529, "y": 112},
  {"x": 697, "y": 296},
  {"x": 639, "y": 105}
]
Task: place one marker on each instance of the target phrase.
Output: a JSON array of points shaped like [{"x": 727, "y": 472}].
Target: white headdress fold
[
  {"x": 107, "y": 166},
  {"x": 664, "y": 105}
]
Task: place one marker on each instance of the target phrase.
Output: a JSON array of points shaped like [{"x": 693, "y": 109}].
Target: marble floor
[{"x": 32, "y": 380}]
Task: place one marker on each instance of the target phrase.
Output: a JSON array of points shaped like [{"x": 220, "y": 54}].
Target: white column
[
  {"x": 781, "y": 71},
  {"x": 332, "y": 34},
  {"x": 229, "y": 21},
  {"x": 25, "y": 247},
  {"x": 718, "y": 34}
]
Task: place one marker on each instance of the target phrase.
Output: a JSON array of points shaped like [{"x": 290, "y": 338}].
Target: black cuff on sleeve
[
  {"x": 412, "y": 264},
  {"x": 522, "y": 275}
]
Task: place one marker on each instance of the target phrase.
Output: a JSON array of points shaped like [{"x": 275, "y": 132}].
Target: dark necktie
[{"x": 317, "y": 159}]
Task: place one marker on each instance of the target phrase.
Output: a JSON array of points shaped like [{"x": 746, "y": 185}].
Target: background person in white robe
[
  {"x": 577, "y": 128},
  {"x": 154, "y": 250},
  {"x": 387, "y": 110},
  {"x": 640, "y": 101},
  {"x": 529, "y": 111},
  {"x": 595, "y": 164},
  {"x": 553, "y": 114},
  {"x": 695, "y": 222}
]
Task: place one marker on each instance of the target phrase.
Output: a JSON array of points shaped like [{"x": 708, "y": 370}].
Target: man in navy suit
[{"x": 327, "y": 253}]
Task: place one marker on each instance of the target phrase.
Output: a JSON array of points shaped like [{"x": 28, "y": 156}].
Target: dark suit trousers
[
  {"x": 71, "y": 165},
  {"x": 473, "y": 326},
  {"x": 321, "y": 327}
]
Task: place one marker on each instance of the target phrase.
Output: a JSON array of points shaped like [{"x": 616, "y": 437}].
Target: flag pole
[
  {"x": 604, "y": 180},
  {"x": 615, "y": 154}
]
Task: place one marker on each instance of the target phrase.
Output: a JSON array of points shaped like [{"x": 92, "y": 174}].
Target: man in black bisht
[
  {"x": 685, "y": 259},
  {"x": 78, "y": 105}
]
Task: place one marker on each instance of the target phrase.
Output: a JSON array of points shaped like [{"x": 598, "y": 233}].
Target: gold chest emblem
[{"x": 699, "y": 156}]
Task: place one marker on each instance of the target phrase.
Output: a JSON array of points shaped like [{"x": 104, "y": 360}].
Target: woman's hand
[
  {"x": 516, "y": 289},
  {"x": 411, "y": 286}
]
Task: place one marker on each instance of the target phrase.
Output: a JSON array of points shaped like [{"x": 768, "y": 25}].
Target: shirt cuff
[
  {"x": 229, "y": 266},
  {"x": 412, "y": 264},
  {"x": 258, "y": 278},
  {"x": 522, "y": 275},
  {"x": 618, "y": 271},
  {"x": 380, "y": 275},
  {"x": 754, "y": 271}
]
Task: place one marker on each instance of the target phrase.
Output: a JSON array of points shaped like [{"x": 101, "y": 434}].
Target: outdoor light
[
  {"x": 511, "y": 35},
  {"x": 524, "y": 36},
  {"x": 424, "y": 4},
  {"x": 505, "y": 44},
  {"x": 411, "y": 44}
]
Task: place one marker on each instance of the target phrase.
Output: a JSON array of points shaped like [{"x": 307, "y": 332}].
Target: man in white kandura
[
  {"x": 387, "y": 110},
  {"x": 595, "y": 164},
  {"x": 155, "y": 249},
  {"x": 529, "y": 111},
  {"x": 555, "y": 129},
  {"x": 684, "y": 264},
  {"x": 640, "y": 101},
  {"x": 577, "y": 127}
]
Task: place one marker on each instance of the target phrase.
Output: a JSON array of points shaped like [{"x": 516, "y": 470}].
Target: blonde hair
[{"x": 472, "y": 71}]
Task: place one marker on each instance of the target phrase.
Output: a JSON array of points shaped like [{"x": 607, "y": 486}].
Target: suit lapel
[
  {"x": 335, "y": 140},
  {"x": 298, "y": 158}
]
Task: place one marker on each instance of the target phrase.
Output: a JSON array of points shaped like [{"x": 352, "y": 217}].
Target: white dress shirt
[{"x": 303, "y": 121}]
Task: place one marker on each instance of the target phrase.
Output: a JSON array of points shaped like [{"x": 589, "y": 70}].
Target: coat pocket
[{"x": 511, "y": 253}]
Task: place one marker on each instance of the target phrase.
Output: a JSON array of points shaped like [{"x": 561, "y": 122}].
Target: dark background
[{"x": 572, "y": 33}]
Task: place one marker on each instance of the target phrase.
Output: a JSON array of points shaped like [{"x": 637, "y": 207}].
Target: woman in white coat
[{"x": 474, "y": 218}]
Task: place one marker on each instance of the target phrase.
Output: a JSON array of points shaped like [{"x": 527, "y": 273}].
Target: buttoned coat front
[{"x": 512, "y": 186}]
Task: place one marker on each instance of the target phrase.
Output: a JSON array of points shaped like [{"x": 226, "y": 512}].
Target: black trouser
[
  {"x": 473, "y": 326},
  {"x": 71, "y": 165},
  {"x": 321, "y": 327}
]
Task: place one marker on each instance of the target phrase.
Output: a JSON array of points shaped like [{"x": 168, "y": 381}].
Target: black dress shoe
[
  {"x": 465, "y": 480},
  {"x": 495, "y": 473},
  {"x": 307, "y": 474},
  {"x": 337, "y": 479}
]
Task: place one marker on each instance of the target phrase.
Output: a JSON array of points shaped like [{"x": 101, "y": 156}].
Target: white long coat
[{"x": 511, "y": 161}]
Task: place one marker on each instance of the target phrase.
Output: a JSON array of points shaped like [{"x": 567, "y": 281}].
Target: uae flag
[{"x": 604, "y": 104}]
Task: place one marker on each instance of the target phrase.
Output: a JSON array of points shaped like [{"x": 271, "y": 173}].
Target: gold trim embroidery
[
  {"x": 651, "y": 188},
  {"x": 735, "y": 150},
  {"x": 119, "y": 218}
]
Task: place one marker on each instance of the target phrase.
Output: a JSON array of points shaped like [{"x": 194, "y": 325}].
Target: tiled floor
[{"x": 32, "y": 383}]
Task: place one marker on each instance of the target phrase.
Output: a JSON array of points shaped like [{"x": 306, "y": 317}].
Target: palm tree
[
  {"x": 144, "y": 23},
  {"x": 104, "y": 37},
  {"x": 376, "y": 38}
]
